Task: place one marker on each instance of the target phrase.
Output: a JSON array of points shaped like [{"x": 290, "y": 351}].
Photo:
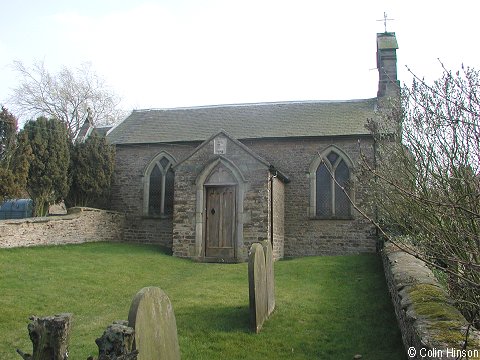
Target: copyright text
[{"x": 448, "y": 353}]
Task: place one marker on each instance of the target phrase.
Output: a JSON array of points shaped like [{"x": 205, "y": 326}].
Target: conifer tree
[
  {"x": 91, "y": 172},
  {"x": 14, "y": 157},
  {"x": 47, "y": 181}
]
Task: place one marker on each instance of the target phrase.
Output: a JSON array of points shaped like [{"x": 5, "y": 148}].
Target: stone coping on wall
[
  {"x": 72, "y": 213},
  {"x": 81, "y": 224},
  {"x": 431, "y": 327}
]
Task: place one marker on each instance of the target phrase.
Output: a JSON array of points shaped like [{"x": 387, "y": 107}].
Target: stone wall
[
  {"x": 304, "y": 234},
  {"x": 79, "y": 226},
  {"x": 144, "y": 230},
  {"x": 432, "y": 328},
  {"x": 131, "y": 162}
]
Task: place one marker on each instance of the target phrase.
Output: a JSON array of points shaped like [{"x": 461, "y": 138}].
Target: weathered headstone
[
  {"x": 50, "y": 336},
  {"x": 257, "y": 286},
  {"x": 151, "y": 315},
  {"x": 268, "y": 252}
]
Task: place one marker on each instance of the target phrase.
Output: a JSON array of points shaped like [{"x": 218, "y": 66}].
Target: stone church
[{"x": 209, "y": 181}]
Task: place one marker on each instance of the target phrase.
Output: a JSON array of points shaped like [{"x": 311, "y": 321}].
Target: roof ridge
[{"x": 287, "y": 102}]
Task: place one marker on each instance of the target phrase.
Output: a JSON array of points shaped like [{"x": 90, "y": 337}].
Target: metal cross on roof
[{"x": 385, "y": 19}]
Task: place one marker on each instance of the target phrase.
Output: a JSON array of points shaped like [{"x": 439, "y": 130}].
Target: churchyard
[{"x": 325, "y": 307}]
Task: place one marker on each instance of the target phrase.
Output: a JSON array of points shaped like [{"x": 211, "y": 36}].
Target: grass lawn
[{"x": 327, "y": 307}]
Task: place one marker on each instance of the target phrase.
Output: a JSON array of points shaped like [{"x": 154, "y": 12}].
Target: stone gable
[{"x": 250, "y": 175}]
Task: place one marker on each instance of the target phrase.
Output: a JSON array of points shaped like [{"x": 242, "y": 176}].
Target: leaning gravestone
[
  {"x": 257, "y": 286},
  {"x": 268, "y": 252},
  {"x": 151, "y": 315}
]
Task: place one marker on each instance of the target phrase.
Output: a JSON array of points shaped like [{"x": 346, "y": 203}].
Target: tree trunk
[
  {"x": 50, "y": 336},
  {"x": 116, "y": 343}
]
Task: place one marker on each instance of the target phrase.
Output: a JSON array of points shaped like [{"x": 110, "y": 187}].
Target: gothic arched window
[
  {"x": 159, "y": 187},
  {"x": 330, "y": 175}
]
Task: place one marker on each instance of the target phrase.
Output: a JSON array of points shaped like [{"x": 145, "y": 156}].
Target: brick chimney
[{"x": 387, "y": 46}]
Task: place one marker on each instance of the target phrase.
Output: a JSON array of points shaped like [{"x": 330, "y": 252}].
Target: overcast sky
[{"x": 171, "y": 53}]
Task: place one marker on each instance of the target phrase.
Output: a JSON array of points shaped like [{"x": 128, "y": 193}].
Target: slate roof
[
  {"x": 245, "y": 121},
  {"x": 102, "y": 130}
]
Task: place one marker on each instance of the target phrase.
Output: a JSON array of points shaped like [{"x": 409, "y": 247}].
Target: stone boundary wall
[
  {"x": 78, "y": 226},
  {"x": 431, "y": 327}
]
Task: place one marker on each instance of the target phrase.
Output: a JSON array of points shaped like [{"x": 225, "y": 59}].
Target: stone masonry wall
[
  {"x": 79, "y": 226},
  {"x": 432, "y": 328},
  {"x": 255, "y": 199},
  {"x": 148, "y": 231},
  {"x": 127, "y": 190},
  {"x": 304, "y": 235}
]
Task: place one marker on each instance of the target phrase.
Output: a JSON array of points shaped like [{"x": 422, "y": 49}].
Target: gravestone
[
  {"x": 151, "y": 315},
  {"x": 257, "y": 286},
  {"x": 268, "y": 252}
]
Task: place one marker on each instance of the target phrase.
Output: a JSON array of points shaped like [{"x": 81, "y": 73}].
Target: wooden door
[{"x": 220, "y": 222}]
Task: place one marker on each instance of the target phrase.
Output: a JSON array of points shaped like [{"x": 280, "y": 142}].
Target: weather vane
[{"x": 385, "y": 19}]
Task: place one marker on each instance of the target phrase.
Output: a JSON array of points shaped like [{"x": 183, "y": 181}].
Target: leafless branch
[
  {"x": 66, "y": 96},
  {"x": 399, "y": 245}
]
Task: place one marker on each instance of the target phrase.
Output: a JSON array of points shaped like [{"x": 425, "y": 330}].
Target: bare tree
[
  {"x": 69, "y": 96},
  {"x": 427, "y": 182}
]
